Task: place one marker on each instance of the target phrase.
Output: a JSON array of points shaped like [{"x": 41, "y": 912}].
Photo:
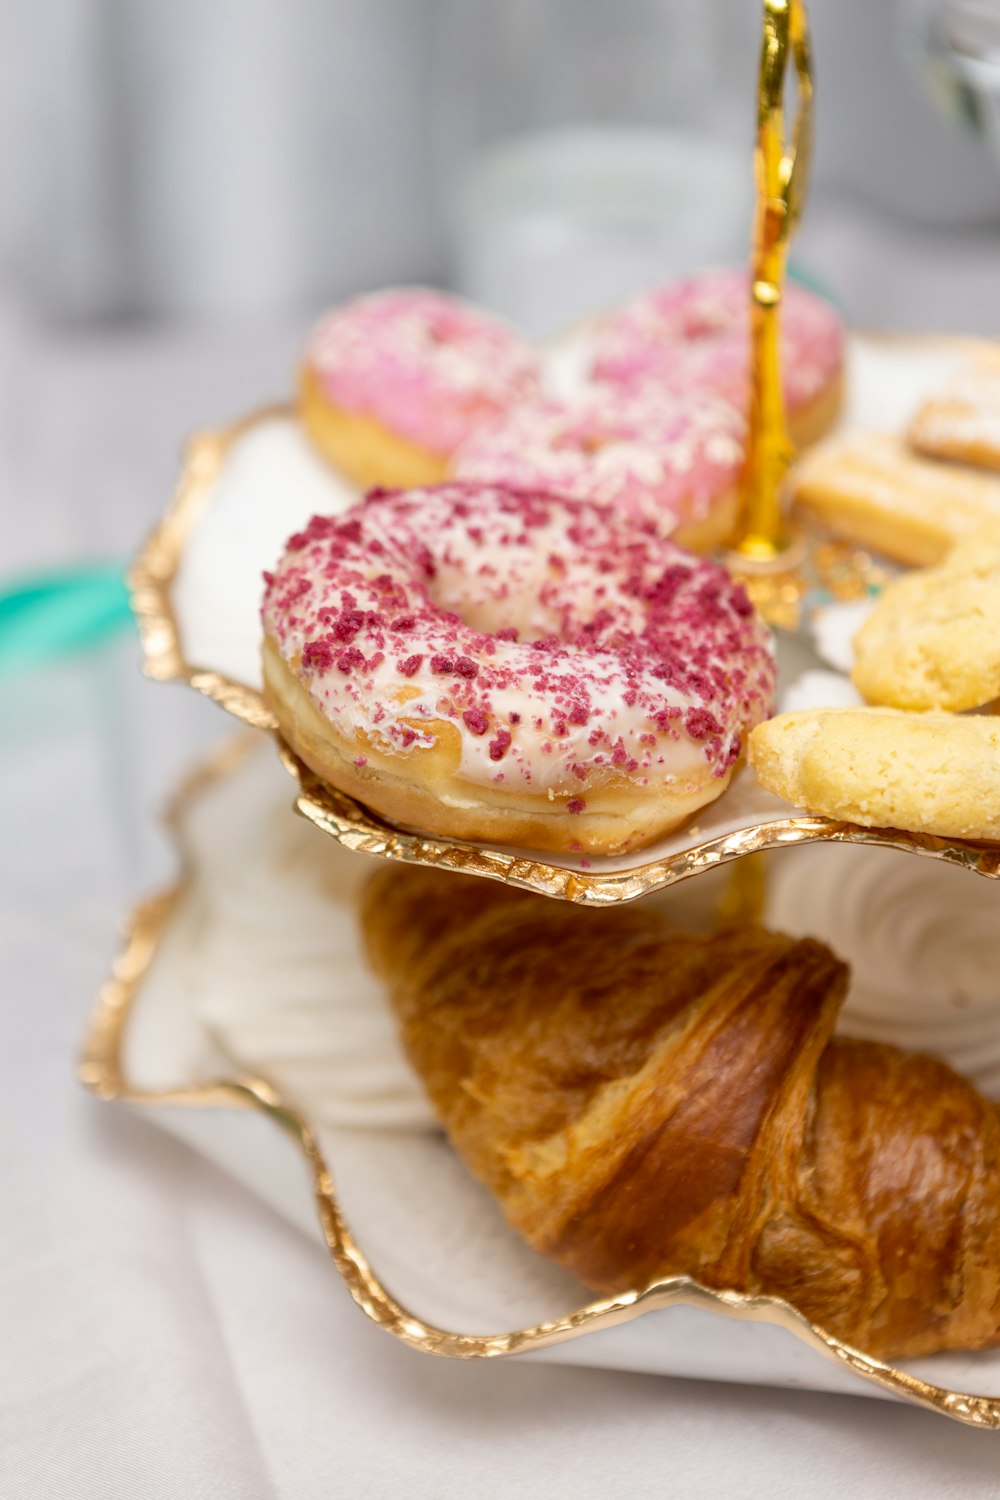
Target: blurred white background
[{"x": 252, "y": 159}]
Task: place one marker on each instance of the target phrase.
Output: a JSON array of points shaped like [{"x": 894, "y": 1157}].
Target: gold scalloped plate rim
[
  {"x": 101, "y": 1070},
  {"x": 152, "y": 575},
  {"x": 150, "y": 582},
  {"x": 353, "y": 826}
]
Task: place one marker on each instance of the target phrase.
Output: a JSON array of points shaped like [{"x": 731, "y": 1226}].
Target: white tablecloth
[{"x": 161, "y": 1333}]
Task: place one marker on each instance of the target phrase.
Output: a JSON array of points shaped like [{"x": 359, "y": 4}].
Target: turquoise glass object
[{"x": 48, "y": 616}]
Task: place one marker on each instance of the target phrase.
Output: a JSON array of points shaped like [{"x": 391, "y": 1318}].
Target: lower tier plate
[{"x": 241, "y": 1014}]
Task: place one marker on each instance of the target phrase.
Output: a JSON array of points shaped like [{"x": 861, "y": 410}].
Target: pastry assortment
[
  {"x": 501, "y": 664},
  {"x": 928, "y": 650},
  {"x": 670, "y": 1104},
  {"x": 962, "y": 421},
  {"x": 671, "y": 460},
  {"x": 409, "y": 386},
  {"x": 912, "y": 495},
  {"x": 644, "y": 705},
  {"x": 934, "y": 772},
  {"x": 527, "y": 655},
  {"x": 392, "y": 383},
  {"x": 515, "y": 647},
  {"x": 871, "y": 488},
  {"x": 516, "y": 639},
  {"x": 933, "y": 637},
  {"x": 695, "y": 334}
]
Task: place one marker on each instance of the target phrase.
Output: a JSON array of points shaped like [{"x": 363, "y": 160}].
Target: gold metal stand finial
[{"x": 782, "y": 174}]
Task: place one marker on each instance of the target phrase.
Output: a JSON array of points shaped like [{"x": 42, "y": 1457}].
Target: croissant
[{"x": 646, "y": 1103}]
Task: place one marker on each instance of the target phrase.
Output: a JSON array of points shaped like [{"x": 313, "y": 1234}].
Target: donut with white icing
[
  {"x": 672, "y": 460},
  {"x": 503, "y": 665},
  {"x": 695, "y": 333},
  {"x": 392, "y": 383}
]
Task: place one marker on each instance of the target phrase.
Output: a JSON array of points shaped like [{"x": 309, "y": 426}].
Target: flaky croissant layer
[{"x": 644, "y": 1103}]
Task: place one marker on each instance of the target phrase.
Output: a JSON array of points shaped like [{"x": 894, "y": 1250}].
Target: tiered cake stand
[{"x": 195, "y": 592}]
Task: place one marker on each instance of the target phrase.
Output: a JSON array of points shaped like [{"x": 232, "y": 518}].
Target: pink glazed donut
[
  {"x": 392, "y": 383},
  {"x": 671, "y": 461},
  {"x": 504, "y": 665},
  {"x": 696, "y": 333}
]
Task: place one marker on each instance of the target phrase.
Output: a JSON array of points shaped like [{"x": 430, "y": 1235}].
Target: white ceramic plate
[
  {"x": 254, "y": 971},
  {"x": 197, "y": 589}
]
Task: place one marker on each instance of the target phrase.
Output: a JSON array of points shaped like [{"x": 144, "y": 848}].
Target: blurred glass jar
[
  {"x": 961, "y": 41},
  {"x": 879, "y": 138},
  {"x": 584, "y": 150}
]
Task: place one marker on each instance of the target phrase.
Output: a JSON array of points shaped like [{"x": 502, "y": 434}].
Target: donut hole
[{"x": 500, "y": 604}]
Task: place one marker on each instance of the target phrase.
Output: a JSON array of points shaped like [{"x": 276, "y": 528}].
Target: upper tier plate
[{"x": 196, "y": 591}]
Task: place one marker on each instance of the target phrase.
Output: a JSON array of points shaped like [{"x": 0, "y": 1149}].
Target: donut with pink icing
[
  {"x": 504, "y": 665},
  {"x": 696, "y": 333},
  {"x": 672, "y": 461},
  {"x": 392, "y": 383}
]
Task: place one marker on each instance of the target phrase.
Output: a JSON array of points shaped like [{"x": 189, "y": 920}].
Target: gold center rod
[{"x": 781, "y": 172}]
